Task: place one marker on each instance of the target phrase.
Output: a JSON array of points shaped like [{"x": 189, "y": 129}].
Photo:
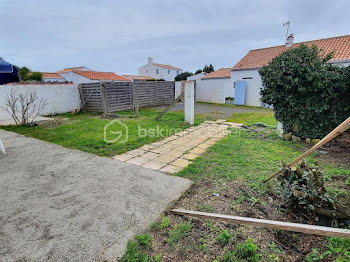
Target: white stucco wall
[
  {"x": 214, "y": 90},
  {"x": 47, "y": 79},
  {"x": 61, "y": 98},
  {"x": 76, "y": 79},
  {"x": 253, "y": 85},
  {"x": 164, "y": 73}
]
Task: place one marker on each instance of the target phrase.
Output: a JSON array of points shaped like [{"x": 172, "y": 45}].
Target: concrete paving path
[
  {"x": 59, "y": 204},
  {"x": 174, "y": 153}
]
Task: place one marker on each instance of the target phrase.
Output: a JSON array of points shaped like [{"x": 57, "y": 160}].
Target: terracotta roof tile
[
  {"x": 138, "y": 77},
  {"x": 51, "y": 75},
  {"x": 70, "y": 69},
  {"x": 259, "y": 57},
  {"x": 221, "y": 73},
  {"x": 167, "y": 66},
  {"x": 93, "y": 75}
]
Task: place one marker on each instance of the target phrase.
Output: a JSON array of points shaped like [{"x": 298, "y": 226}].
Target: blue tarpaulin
[{"x": 8, "y": 73}]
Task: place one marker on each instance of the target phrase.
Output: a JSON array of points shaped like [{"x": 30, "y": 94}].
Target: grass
[
  {"x": 264, "y": 116},
  {"x": 242, "y": 155},
  {"x": 86, "y": 131}
]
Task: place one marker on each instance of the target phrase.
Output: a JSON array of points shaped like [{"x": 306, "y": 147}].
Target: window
[
  {"x": 146, "y": 71},
  {"x": 157, "y": 71},
  {"x": 177, "y": 72},
  {"x": 168, "y": 71},
  {"x": 247, "y": 77}
]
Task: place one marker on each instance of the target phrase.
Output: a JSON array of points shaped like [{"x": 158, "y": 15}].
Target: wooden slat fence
[{"x": 111, "y": 97}]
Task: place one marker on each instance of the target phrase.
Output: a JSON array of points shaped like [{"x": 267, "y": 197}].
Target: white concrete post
[{"x": 189, "y": 102}]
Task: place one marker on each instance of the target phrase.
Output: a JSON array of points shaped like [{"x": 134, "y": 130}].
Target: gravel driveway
[{"x": 59, "y": 204}]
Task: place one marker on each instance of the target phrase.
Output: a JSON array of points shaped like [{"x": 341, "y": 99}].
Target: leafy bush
[
  {"x": 35, "y": 76},
  {"x": 224, "y": 237},
  {"x": 310, "y": 96},
  {"x": 303, "y": 187}
]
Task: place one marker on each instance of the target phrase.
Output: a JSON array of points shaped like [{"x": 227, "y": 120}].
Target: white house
[
  {"x": 248, "y": 67},
  {"x": 78, "y": 77},
  {"x": 159, "y": 71},
  {"x": 215, "y": 87}
]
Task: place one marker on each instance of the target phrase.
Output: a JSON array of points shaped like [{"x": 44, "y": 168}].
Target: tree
[
  {"x": 183, "y": 76},
  {"x": 208, "y": 69},
  {"x": 310, "y": 96},
  {"x": 23, "y": 107},
  {"x": 26, "y": 74},
  {"x": 198, "y": 71}
]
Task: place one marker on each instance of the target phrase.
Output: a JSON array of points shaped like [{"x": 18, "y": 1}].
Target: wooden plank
[
  {"x": 337, "y": 131},
  {"x": 295, "y": 227},
  {"x": 170, "y": 106}
]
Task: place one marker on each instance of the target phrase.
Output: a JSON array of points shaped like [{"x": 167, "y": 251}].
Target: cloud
[{"x": 118, "y": 35}]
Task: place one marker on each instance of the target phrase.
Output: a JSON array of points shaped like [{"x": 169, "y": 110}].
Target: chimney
[
  {"x": 289, "y": 40},
  {"x": 150, "y": 60}
]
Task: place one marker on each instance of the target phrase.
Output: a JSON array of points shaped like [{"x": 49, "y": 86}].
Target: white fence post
[{"x": 189, "y": 102}]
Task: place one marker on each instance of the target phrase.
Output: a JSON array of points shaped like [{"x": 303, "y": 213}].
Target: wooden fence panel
[
  {"x": 92, "y": 97},
  {"x": 112, "y": 97},
  {"x": 119, "y": 96}
]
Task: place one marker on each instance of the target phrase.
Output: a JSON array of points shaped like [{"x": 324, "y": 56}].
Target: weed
[
  {"x": 135, "y": 250},
  {"x": 144, "y": 240},
  {"x": 154, "y": 226},
  {"x": 247, "y": 250},
  {"x": 179, "y": 232},
  {"x": 224, "y": 237},
  {"x": 205, "y": 208},
  {"x": 165, "y": 223}
]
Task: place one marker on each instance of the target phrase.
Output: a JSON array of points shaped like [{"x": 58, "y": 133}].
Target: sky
[{"x": 118, "y": 36}]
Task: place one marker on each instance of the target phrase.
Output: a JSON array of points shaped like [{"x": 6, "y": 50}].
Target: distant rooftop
[
  {"x": 258, "y": 58},
  {"x": 70, "y": 69},
  {"x": 221, "y": 73},
  {"x": 167, "y": 66},
  {"x": 51, "y": 75},
  {"x": 134, "y": 77},
  {"x": 93, "y": 75}
]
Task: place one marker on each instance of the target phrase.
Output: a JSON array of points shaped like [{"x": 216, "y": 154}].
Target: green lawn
[
  {"x": 264, "y": 116},
  {"x": 86, "y": 131}
]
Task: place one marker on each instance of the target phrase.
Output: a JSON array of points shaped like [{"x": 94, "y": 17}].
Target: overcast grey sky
[{"x": 118, "y": 36}]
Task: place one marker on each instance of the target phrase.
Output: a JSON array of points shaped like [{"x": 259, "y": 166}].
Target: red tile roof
[
  {"x": 167, "y": 66},
  {"x": 51, "y": 75},
  {"x": 70, "y": 69},
  {"x": 138, "y": 77},
  {"x": 93, "y": 75},
  {"x": 221, "y": 73},
  {"x": 259, "y": 57}
]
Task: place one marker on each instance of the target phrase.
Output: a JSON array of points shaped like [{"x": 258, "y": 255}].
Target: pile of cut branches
[{"x": 302, "y": 189}]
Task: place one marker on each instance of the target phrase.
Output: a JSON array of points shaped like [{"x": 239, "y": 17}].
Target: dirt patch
[{"x": 339, "y": 149}]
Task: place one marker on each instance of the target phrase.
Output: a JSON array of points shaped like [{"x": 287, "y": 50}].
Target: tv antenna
[{"x": 287, "y": 23}]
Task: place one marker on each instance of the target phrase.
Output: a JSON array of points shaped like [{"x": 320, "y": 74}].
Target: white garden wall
[
  {"x": 214, "y": 90},
  {"x": 61, "y": 98}
]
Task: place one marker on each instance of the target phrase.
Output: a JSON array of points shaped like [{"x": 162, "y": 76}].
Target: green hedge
[{"x": 310, "y": 96}]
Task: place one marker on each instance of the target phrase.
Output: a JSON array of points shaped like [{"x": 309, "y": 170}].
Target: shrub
[
  {"x": 35, "y": 76},
  {"x": 310, "y": 96},
  {"x": 135, "y": 250},
  {"x": 144, "y": 240}
]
